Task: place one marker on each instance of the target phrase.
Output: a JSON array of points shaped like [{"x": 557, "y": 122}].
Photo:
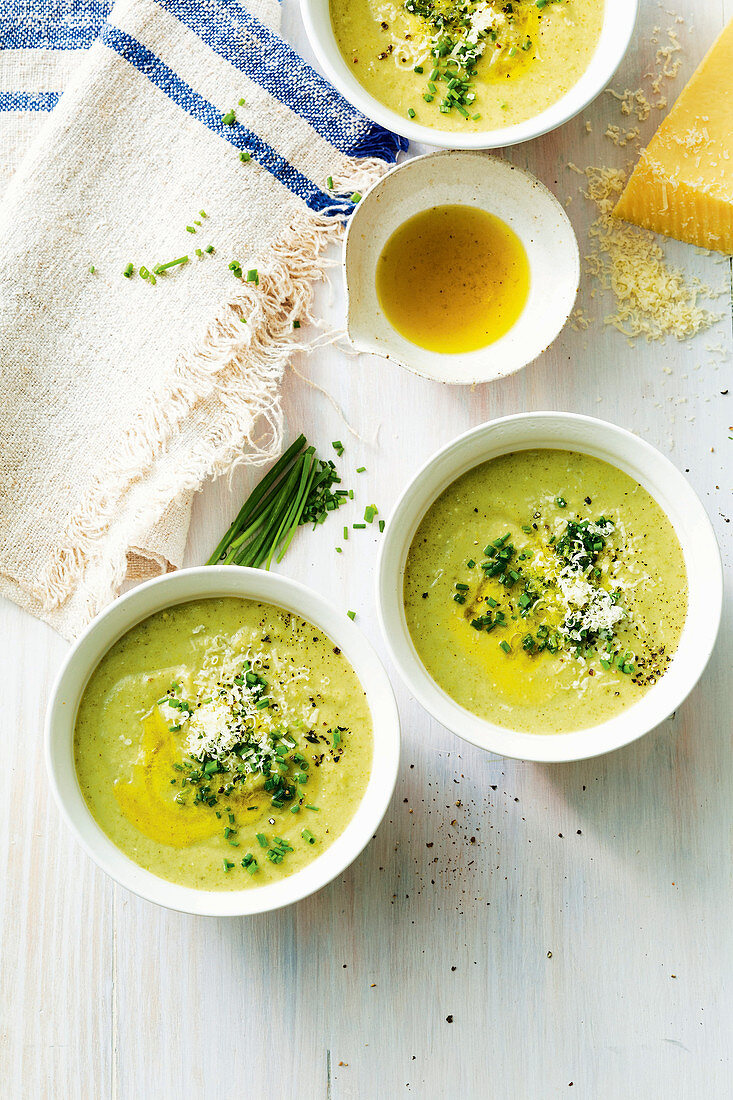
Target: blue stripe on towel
[
  {"x": 159, "y": 74},
  {"x": 28, "y": 101},
  {"x": 267, "y": 60},
  {"x": 51, "y": 24}
]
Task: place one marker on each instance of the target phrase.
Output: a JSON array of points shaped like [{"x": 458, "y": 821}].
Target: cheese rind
[{"x": 683, "y": 183}]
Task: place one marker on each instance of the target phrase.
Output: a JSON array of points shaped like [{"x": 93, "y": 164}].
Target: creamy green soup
[
  {"x": 467, "y": 64},
  {"x": 223, "y": 743},
  {"x": 545, "y": 591}
]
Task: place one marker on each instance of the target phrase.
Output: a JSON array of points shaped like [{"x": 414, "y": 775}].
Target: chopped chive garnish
[
  {"x": 356, "y": 197},
  {"x": 309, "y": 807},
  {"x": 241, "y": 102},
  {"x": 229, "y": 118},
  {"x": 410, "y": 112},
  {"x": 227, "y": 864},
  {"x": 307, "y": 835},
  {"x": 359, "y": 526},
  {"x": 361, "y": 469},
  {"x": 190, "y": 229},
  {"x": 128, "y": 271},
  {"x": 92, "y": 269},
  {"x": 262, "y": 840},
  {"x": 245, "y": 157},
  {"x": 352, "y": 615},
  {"x": 338, "y": 447},
  {"x": 296, "y": 324},
  {"x": 561, "y": 502},
  {"x": 329, "y": 183},
  {"x": 382, "y": 524},
  {"x": 505, "y": 646},
  {"x": 370, "y": 512},
  {"x": 253, "y": 276}
]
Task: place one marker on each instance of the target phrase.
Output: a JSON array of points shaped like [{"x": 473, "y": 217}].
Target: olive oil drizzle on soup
[
  {"x": 223, "y": 743},
  {"x": 545, "y": 591},
  {"x": 467, "y": 65}
]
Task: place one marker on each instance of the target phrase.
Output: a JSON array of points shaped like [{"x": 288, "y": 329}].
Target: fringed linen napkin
[{"x": 189, "y": 125}]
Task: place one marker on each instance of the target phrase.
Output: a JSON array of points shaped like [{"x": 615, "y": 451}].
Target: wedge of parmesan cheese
[{"x": 683, "y": 184}]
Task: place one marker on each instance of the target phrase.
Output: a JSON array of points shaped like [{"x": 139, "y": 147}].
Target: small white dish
[
  {"x": 672, "y": 492},
  {"x": 181, "y": 587},
  {"x": 470, "y": 179},
  {"x": 618, "y": 27}
]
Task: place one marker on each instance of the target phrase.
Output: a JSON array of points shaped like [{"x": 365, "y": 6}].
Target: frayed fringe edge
[{"x": 237, "y": 369}]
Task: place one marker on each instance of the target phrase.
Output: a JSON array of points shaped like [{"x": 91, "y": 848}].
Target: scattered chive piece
[
  {"x": 245, "y": 157},
  {"x": 561, "y": 502},
  {"x": 203, "y": 214},
  {"x": 227, "y": 865},
  {"x": 190, "y": 229},
  {"x": 199, "y": 253},
  {"x": 410, "y": 112},
  {"x": 295, "y": 809},
  {"x": 382, "y": 525},
  {"x": 308, "y": 836},
  {"x": 128, "y": 271},
  {"x": 262, "y": 839},
  {"x": 329, "y": 183},
  {"x": 359, "y": 526},
  {"x": 505, "y": 646},
  {"x": 346, "y": 534},
  {"x": 209, "y": 248},
  {"x": 418, "y": 69},
  {"x": 241, "y": 102},
  {"x": 296, "y": 324},
  {"x": 229, "y": 118},
  {"x": 361, "y": 469},
  {"x": 338, "y": 447},
  {"x": 316, "y": 808},
  {"x": 253, "y": 276},
  {"x": 356, "y": 197},
  {"x": 370, "y": 512},
  {"x": 339, "y": 550},
  {"x": 159, "y": 268},
  {"x": 352, "y": 616},
  {"x": 92, "y": 269}
]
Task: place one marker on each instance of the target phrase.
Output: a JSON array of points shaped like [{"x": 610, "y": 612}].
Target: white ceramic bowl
[
  {"x": 618, "y": 27},
  {"x": 181, "y": 587},
  {"x": 668, "y": 487},
  {"x": 470, "y": 179}
]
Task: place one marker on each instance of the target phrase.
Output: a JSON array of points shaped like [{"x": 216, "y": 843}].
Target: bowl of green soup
[
  {"x": 550, "y": 587},
  {"x": 470, "y": 74},
  {"x": 222, "y": 741}
]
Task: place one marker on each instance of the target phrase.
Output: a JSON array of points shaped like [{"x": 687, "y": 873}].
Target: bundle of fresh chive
[{"x": 297, "y": 490}]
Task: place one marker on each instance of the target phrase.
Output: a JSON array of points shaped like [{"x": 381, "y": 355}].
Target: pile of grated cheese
[{"x": 653, "y": 300}]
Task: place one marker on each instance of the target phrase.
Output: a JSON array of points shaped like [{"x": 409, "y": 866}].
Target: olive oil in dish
[
  {"x": 545, "y": 591},
  {"x": 223, "y": 744},
  {"x": 453, "y": 279}
]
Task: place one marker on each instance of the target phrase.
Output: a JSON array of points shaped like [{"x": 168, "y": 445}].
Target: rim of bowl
[
  {"x": 401, "y": 357},
  {"x": 183, "y": 586},
  {"x": 669, "y": 488},
  {"x": 616, "y": 34}
]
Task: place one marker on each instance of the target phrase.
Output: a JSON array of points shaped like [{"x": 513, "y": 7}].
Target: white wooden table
[{"x": 515, "y": 930}]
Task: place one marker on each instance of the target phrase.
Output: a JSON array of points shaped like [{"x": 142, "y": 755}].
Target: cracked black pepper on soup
[
  {"x": 467, "y": 64},
  {"x": 545, "y": 591},
  {"x": 223, "y": 743}
]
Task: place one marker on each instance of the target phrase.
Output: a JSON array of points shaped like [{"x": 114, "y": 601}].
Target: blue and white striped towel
[{"x": 119, "y": 397}]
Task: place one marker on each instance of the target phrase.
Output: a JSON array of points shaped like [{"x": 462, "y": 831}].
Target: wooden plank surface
[{"x": 572, "y": 921}]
